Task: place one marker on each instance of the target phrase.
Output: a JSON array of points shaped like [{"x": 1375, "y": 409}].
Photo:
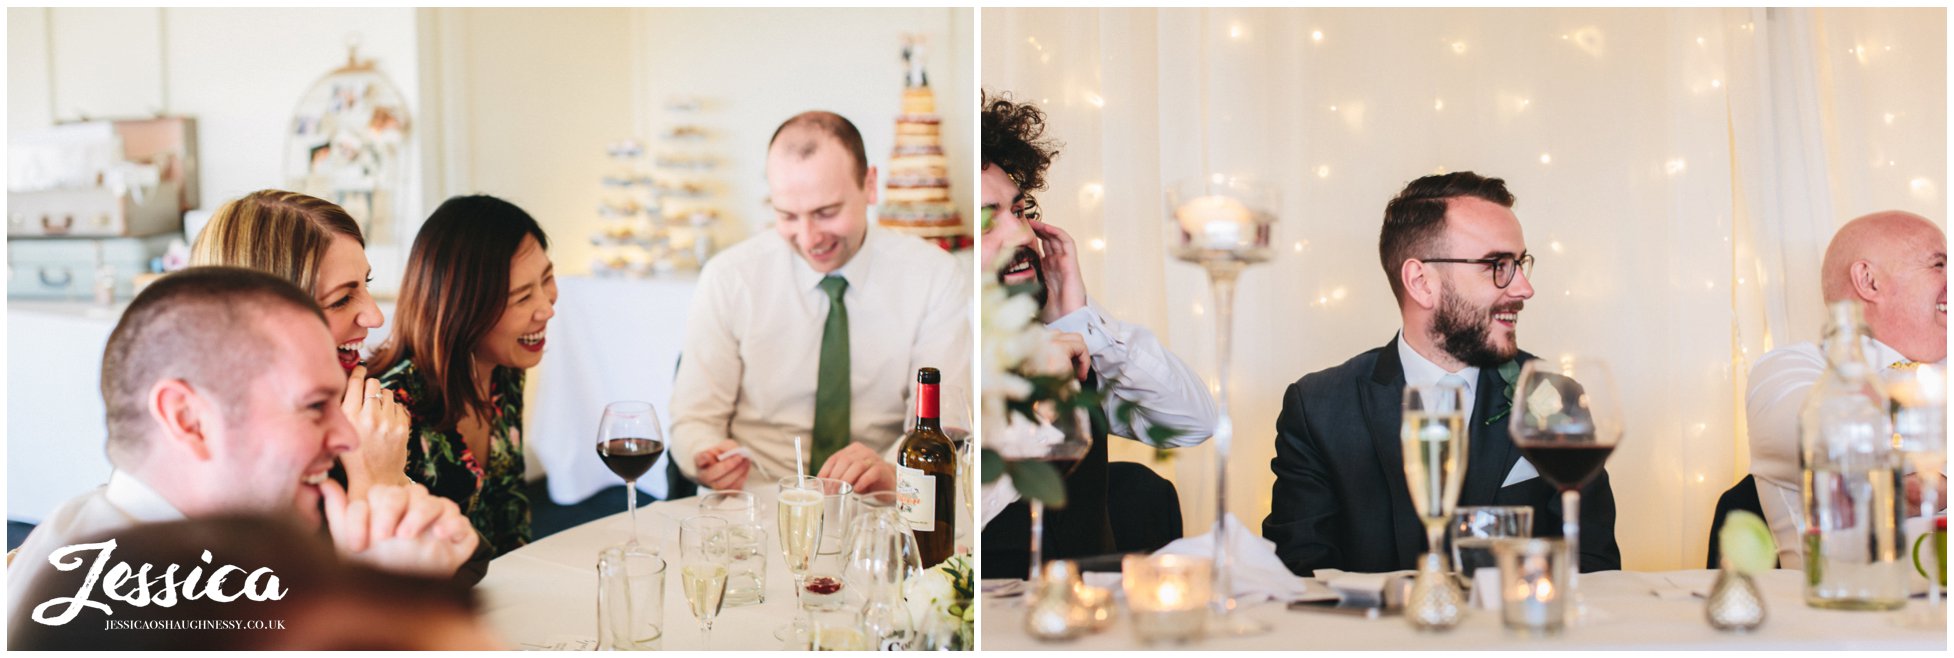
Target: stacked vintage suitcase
[{"x": 92, "y": 205}]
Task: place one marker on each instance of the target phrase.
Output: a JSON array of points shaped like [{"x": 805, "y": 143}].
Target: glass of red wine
[
  {"x": 630, "y": 439},
  {"x": 1566, "y": 419}
]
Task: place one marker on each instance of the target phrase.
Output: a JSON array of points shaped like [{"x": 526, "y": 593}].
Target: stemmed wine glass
[
  {"x": 1566, "y": 419},
  {"x": 703, "y": 569},
  {"x": 1061, "y": 436},
  {"x": 1434, "y": 442},
  {"x": 955, "y": 421},
  {"x": 630, "y": 439}
]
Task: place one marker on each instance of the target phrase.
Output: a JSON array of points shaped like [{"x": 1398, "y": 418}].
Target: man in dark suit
[{"x": 1458, "y": 265}]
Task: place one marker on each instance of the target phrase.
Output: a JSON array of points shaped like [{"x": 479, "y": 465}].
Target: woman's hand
[{"x": 382, "y": 425}]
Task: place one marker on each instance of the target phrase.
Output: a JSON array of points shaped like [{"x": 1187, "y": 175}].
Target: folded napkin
[
  {"x": 1368, "y": 589},
  {"x": 1257, "y": 573}
]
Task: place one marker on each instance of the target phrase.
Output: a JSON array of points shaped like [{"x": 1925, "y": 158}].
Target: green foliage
[{"x": 1039, "y": 480}]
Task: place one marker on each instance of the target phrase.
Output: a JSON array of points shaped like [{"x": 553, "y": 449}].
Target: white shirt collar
[
  {"x": 137, "y": 500},
  {"x": 1420, "y": 371},
  {"x": 855, "y": 271}
]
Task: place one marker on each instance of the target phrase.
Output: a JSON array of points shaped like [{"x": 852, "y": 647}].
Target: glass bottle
[{"x": 1852, "y": 501}]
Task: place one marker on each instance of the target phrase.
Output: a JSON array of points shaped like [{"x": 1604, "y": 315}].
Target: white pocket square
[{"x": 1522, "y": 471}]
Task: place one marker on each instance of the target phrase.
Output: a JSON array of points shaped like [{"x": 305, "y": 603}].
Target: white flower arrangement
[{"x": 940, "y": 598}]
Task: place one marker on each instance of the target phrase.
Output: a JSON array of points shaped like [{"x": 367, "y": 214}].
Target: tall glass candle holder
[{"x": 1223, "y": 224}]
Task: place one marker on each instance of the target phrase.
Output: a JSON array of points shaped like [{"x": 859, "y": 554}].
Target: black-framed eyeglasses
[
  {"x": 1026, "y": 208},
  {"x": 1503, "y": 266}
]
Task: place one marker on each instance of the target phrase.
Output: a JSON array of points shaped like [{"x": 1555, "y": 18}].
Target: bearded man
[{"x": 1458, "y": 265}]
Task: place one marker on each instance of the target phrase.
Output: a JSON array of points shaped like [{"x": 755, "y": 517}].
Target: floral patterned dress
[{"x": 490, "y": 492}]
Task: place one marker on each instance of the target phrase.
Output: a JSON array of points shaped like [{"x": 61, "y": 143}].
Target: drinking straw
[{"x": 800, "y": 463}]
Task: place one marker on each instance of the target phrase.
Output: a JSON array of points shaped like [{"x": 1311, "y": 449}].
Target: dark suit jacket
[{"x": 1340, "y": 499}]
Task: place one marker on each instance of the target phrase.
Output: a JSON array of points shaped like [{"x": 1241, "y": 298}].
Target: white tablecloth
[
  {"x": 1627, "y": 616},
  {"x": 612, "y": 339}
]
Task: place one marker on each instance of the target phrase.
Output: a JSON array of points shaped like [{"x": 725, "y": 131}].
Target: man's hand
[
  {"x": 1068, "y": 350},
  {"x": 1914, "y": 493},
  {"x": 722, "y": 474},
  {"x": 399, "y": 528},
  {"x": 381, "y": 423},
  {"x": 861, "y": 468},
  {"x": 1065, "y": 288}
]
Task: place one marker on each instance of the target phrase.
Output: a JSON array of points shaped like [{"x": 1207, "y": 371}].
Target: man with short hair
[
  {"x": 1126, "y": 361},
  {"x": 816, "y": 331},
  {"x": 1894, "y": 264},
  {"x": 222, "y": 392},
  {"x": 1458, "y": 264}
]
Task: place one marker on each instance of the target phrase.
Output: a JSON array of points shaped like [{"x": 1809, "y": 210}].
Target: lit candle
[
  {"x": 1170, "y": 595},
  {"x": 1530, "y": 571},
  {"x": 1214, "y": 220},
  {"x": 1167, "y": 596}
]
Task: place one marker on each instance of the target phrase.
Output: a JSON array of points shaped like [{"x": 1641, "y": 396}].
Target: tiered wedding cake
[{"x": 916, "y": 200}]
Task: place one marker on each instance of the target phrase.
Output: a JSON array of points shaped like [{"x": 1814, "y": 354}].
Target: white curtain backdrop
[{"x": 1678, "y": 171}]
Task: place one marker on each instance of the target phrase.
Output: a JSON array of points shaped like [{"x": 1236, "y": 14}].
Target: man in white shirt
[
  {"x": 817, "y": 330},
  {"x": 1895, "y": 265},
  {"x": 223, "y": 397},
  {"x": 1457, "y": 262},
  {"x": 1168, "y": 400}
]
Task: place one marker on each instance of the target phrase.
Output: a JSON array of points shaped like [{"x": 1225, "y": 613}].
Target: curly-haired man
[{"x": 1125, "y": 360}]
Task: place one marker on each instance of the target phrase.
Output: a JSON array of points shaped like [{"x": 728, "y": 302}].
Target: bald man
[{"x": 1895, "y": 265}]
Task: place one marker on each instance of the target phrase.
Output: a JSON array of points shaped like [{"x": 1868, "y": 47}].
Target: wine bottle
[{"x": 926, "y": 475}]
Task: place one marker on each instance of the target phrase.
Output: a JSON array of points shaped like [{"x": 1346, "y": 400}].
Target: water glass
[
  {"x": 1474, "y": 528},
  {"x": 1533, "y": 584},
  {"x": 630, "y": 599},
  {"x": 746, "y": 545},
  {"x": 836, "y": 630},
  {"x": 734, "y": 506}
]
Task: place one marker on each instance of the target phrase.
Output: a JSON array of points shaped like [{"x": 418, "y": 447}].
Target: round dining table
[
  {"x": 1627, "y": 610},
  {"x": 544, "y": 595}
]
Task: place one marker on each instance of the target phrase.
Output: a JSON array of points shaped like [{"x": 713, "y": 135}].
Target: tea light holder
[
  {"x": 1532, "y": 584},
  {"x": 1053, "y": 613},
  {"x": 1167, "y": 596},
  {"x": 1095, "y": 606}
]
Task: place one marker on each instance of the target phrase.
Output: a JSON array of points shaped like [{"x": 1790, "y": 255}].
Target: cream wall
[
  {"x": 529, "y": 99},
  {"x": 239, "y": 72},
  {"x": 785, "y": 61},
  {"x": 518, "y": 103},
  {"x": 532, "y": 96}
]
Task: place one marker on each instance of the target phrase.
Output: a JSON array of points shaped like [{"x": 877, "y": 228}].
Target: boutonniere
[{"x": 1509, "y": 371}]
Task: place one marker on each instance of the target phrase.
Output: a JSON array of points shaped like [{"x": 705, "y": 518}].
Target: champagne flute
[
  {"x": 1433, "y": 439},
  {"x": 799, "y": 517},
  {"x": 1566, "y": 419},
  {"x": 630, "y": 439},
  {"x": 703, "y": 570}
]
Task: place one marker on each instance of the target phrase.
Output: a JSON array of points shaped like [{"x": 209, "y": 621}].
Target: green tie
[{"x": 831, "y": 394}]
